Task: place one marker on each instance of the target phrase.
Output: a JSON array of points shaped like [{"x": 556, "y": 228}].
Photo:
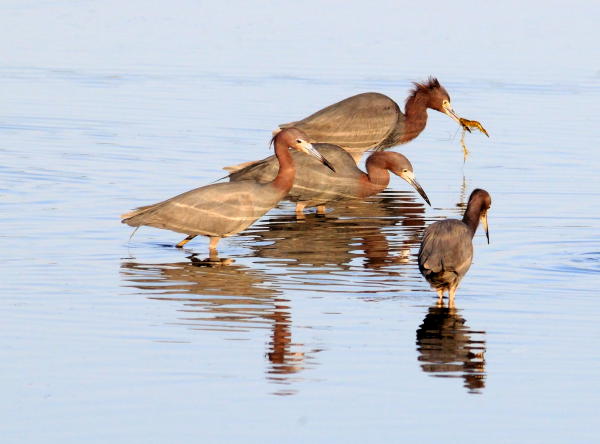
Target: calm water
[{"x": 321, "y": 330}]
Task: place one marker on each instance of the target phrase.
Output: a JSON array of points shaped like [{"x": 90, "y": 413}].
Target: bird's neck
[
  {"x": 415, "y": 117},
  {"x": 471, "y": 218},
  {"x": 378, "y": 177},
  {"x": 284, "y": 180}
]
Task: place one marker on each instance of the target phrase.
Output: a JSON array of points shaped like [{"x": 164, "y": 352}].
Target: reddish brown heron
[
  {"x": 224, "y": 209},
  {"x": 446, "y": 251},
  {"x": 316, "y": 185},
  {"x": 373, "y": 121}
]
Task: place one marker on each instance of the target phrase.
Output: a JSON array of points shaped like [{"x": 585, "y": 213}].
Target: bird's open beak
[
  {"x": 310, "y": 150},
  {"x": 410, "y": 178},
  {"x": 450, "y": 112},
  {"x": 484, "y": 222}
]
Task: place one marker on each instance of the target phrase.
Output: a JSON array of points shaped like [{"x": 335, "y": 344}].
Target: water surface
[{"x": 321, "y": 329}]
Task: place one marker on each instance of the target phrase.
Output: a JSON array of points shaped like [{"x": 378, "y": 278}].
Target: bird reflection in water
[
  {"x": 447, "y": 348},
  {"x": 378, "y": 232},
  {"x": 233, "y": 299}
]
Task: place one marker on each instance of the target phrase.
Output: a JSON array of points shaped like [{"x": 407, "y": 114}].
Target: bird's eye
[
  {"x": 298, "y": 141},
  {"x": 405, "y": 170},
  {"x": 445, "y": 103}
]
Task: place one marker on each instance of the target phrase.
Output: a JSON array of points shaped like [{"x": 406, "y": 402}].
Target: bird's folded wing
[
  {"x": 361, "y": 121},
  {"x": 446, "y": 246}
]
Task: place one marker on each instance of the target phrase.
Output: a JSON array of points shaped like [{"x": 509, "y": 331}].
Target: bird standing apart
[
  {"x": 315, "y": 185},
  {"x": 374, "y": 121},
  {"x": 224, "y": 209},
  {"x": 446, "y": 251}
]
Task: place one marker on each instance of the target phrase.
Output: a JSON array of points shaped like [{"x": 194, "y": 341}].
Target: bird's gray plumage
[
  {"x": 218, "y": 210},
  {"x": 358, "y": 123},
  {"x": 314, "y": 183},
  {"x": 446, "y": 253}
]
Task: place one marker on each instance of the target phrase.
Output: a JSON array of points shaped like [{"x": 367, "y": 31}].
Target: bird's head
[
  {"x": 298, "y": 140},
  {"x": 481, "y": 201},
  {"x": 437, "y": 97},
  {"x": 401, "y": 167}
]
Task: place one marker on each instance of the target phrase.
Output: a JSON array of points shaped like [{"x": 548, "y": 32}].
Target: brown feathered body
[
  {"x": 217, "y": 210},
  {"x": 373, "y": 121},
  {"x": 312, "y": 184},
  {"x": 315, "y": 184}
]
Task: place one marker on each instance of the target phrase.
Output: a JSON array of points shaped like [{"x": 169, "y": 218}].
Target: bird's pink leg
[
  {"x": 300, "y": 210},
  {"x": 451, "y": 293},
  {"x": 213, "y": 244},
  {"x": 440, "y": 301}
]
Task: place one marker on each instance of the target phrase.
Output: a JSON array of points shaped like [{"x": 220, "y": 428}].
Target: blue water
[{"x": 321, "y": 330}]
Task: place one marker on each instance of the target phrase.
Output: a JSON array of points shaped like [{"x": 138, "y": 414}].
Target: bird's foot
[{"x": 212, "y": 261}]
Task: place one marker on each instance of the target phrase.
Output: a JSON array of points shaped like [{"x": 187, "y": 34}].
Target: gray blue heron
[
  {"x": 316, "y": 185},
  {"x": 446, "y": 251},
  {"x": 224, "y": 209}
]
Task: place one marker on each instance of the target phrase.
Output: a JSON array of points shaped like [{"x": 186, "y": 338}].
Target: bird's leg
[
  {"x": 321, "y": 209},
  {"x": 212, "y": 247},
  {"x": 300, "y": 210},
  {"x": 185, "y": 241},
  {"x": 440, "y": 301},
  {"x": 451, "y": 293}
]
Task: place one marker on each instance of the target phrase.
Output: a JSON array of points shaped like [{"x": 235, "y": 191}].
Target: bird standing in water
[
  {"x": 224, "y": 209},
  {"x": 373, "y": 121},
  {"x": 446, "y": 251},
  {"x": 315, "y": 185}
]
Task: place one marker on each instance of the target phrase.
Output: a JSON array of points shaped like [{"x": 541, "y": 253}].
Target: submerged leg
[
  {"x": 321, "y": 209},
  {"x": 185, "y": 241}
]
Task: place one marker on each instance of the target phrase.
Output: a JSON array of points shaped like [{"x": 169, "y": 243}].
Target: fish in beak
[
  {"x": 484, "y": 222},
  {"x": 311, "y": 151},
  {"x": 409, "y": 176}
]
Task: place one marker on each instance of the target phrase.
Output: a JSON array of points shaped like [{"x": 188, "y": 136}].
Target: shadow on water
[
  {"x": 447, "y": 348},
  {"x": 231, "y": 298}
]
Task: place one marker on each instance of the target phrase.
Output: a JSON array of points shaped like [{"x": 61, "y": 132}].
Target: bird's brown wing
[
  {"x": 446, "y": 246},
  {"x": 357, "y": 123}
]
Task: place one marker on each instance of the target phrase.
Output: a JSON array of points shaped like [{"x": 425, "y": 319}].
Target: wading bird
[
  {"x": 446, "y": 251},
  {"x": 315, "y": 185},
  {"x": 373, "y": 121},
  {"x": 224, "y": 209}
]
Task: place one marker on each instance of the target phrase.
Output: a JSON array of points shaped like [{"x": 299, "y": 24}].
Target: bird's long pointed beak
[
  {"x": 450, "y": 112},
  {"x": 310, "y": 150},
  {"x": 410, "y": 178},
  {"x": 484, "y": 222}
]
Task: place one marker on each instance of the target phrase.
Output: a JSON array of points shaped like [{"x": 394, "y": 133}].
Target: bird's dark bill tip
[{"x": 328, "y": 165}]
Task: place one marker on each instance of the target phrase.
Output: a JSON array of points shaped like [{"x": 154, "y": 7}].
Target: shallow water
[{"x": 321, "y": 329}]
